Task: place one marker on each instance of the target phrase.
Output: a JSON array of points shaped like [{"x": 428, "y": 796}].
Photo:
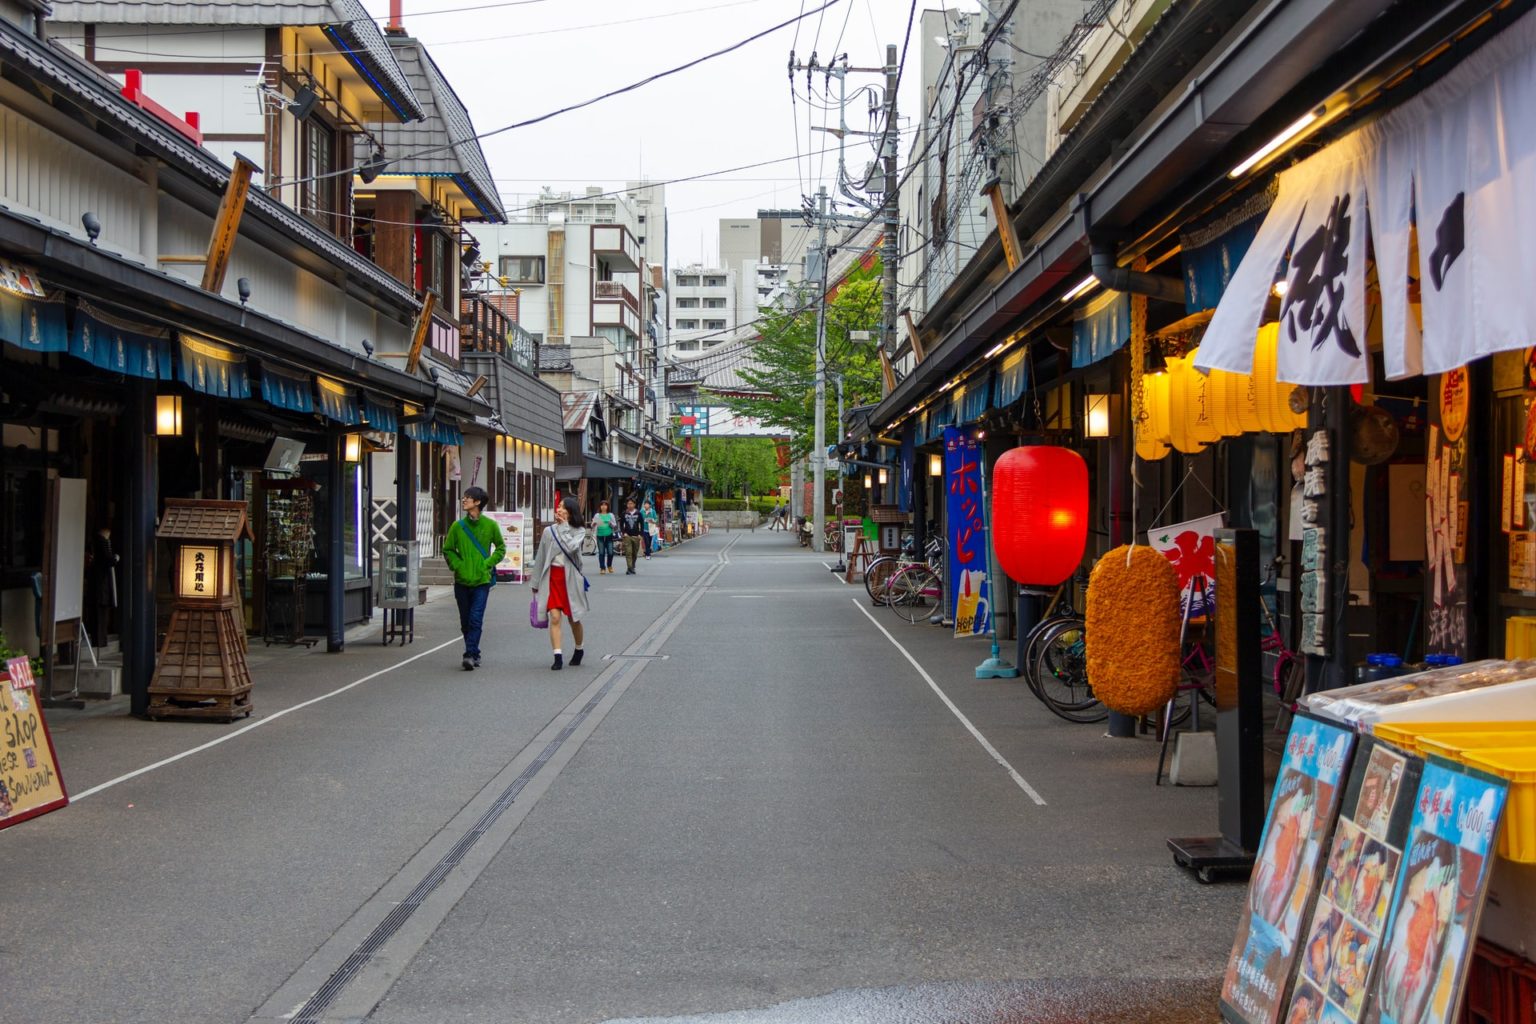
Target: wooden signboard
[{"x": 30, "y": 783}]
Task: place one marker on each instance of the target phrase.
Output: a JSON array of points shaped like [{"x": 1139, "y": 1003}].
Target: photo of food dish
[
  {"x": 1306, "y": 1005},
  {"x": 1317, "y": 952},
  {"x": 1284, "y": 853},
  {"x": 1378, "y": 791},
  {"x": 1354, "y": 949},
  {"x": 1419, "y": 931},
  {"x": 1370, "y": 893},
  {"x": 1338, "y": 881}
]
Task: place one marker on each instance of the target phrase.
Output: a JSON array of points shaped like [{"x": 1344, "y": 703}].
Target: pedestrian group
[{"x": 474, "y": 546}]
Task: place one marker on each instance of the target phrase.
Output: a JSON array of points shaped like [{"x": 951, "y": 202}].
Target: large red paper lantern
[{"x": 1040, "y": 513}]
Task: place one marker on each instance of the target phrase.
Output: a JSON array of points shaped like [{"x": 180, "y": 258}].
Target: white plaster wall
[{"x": 50, "y": 178}]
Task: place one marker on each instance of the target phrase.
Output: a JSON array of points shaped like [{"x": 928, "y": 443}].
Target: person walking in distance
[
  {"x": 631, "y": 528},
  {"x": 473, "y": 548},
  {"x": 605, "y": 525},
  {"x": 558, "y": 581},
  {"x": 648, "y": 536}
]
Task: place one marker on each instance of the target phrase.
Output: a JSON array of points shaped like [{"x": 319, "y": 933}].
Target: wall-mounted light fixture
[
  {"x": 1099, "y": 415},
  {"x": 1288, "y": 133},
  {"x": 935, "y": 465},
  {"x": 352, "y": 451},
  {"x": 882, "y": 478},
  {"x": 168, "y": 415},
  {"x": 869, "y": 482},
  {"x": 1079, "y": 288},
  {"x": 1155, "y": 363},
  {"x": 92, "y": 225}
]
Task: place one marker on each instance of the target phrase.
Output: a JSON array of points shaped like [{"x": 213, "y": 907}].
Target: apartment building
[{"x": 704, "y": 308}]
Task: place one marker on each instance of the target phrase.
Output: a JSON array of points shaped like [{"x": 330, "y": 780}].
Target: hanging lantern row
[{"x": 1187, "y": 410}]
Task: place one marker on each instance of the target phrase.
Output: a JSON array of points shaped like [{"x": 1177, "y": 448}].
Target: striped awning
[
  {"x": 381, "y": 415},
  {"x": 285, "y": 389},
  {"x": 338, "y": 402},
  {"x": 121, "y": 346},
  {"x": 213, "y": 369}
]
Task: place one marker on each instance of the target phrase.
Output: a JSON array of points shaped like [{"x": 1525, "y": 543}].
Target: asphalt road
[{"x": 748, "y": 806}]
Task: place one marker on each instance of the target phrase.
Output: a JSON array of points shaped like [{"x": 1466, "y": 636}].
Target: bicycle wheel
[
  {"x": 875, "y": 575},
  {"x": 1032, "y": 642},
  {"x": 913, "y": 592},
  {"x": 1060, "y": 674}
]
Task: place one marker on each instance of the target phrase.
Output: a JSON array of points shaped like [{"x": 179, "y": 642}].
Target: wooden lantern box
[{"x": 202, "y": 670}]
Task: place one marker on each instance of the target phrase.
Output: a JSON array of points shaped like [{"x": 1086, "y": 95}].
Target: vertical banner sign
[
  {"x": 970, "y": 593},
  {"x": 29, "y": 770},
  {"x": 1301, "y": 813},
  {"x": 1339, "y": 953},
  {"x": 1439, "y": 898},
  {"x": 511, "y": 564}
]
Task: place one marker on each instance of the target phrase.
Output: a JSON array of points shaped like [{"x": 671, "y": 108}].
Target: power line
[{"x": 584, "y": 103}]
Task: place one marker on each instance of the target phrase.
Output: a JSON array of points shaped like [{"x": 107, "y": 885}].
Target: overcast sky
[{"x": 511, "y": 61}]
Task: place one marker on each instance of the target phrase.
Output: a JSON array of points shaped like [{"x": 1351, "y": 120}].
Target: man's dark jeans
[{"x": 471, "y": 602}]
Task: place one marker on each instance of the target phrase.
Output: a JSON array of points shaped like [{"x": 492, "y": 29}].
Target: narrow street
[{"x": 749, "y": 798}]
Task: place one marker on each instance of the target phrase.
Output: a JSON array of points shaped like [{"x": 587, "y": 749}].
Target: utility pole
[
  {"x": 892, "y": 207},
  {"x": 819, "y": 448}
]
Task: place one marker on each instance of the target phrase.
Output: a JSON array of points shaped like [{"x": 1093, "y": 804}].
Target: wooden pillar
[{"x": 141, "y": 467}]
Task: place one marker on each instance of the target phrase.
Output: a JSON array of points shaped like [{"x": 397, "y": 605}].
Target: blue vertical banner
[
  {"x": 970, "y": 591},
  {"x": 908, "y": 457}
]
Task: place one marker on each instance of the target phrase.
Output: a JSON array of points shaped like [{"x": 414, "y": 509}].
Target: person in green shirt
[
  {"x": 473, "y": 548},
  {"x": 604, "y": 526}
]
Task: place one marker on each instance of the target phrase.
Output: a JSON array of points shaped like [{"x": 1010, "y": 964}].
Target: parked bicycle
[
  {"x": 879, "y": 570},
  {"x": 915, "y": 590},
  {"x": 1056, "y": 661}
]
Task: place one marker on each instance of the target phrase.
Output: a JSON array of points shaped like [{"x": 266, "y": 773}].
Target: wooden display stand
[
  {"x": 858, "y": 560},
  {"x": 201, "y": 671}
]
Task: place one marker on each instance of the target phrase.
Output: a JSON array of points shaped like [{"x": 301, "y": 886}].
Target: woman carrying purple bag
[{"x": 559, "y": 585}]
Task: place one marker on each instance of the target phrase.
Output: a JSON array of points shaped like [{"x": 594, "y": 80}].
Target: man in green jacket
[{"x": 473, "y": 549}]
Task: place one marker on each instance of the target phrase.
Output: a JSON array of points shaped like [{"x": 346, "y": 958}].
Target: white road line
[
  {"x": 835, "y": 574},
  {"x": 77, "y": 797},
  {"x": 990, "y": 749}
]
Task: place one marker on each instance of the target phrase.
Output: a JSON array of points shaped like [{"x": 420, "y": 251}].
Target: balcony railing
[
  {"x": 616, "y": 290},
  {"x": 484, "y": 328}
]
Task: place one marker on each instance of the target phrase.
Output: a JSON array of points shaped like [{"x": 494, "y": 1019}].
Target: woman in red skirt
[{"x": 558, "y": 581}]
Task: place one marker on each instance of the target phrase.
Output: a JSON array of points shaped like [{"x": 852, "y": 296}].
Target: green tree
[
  {"x": 784, "y": 360},
  {"x": 736, "y": 464}
]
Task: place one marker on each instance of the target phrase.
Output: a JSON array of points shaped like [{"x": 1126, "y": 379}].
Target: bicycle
[
  {"x": 915, "y": 591},
  {"x": 879, "y": 570},
  {"x": 1289, "y": 676},
  {"x": 1056, "y": 662}
]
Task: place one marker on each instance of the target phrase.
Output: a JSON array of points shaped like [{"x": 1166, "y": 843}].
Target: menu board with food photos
[
  {"x": 1302, "y": 810},
  {"x": 1426, "y": 947},
  {"x": 1344, "y": 935}
]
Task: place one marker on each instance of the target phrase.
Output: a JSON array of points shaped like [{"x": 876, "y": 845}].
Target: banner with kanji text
[{"x": 970, "y": 591}]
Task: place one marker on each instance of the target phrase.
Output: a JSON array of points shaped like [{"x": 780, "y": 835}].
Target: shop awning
[
  {"x": 381, "y": 414},
  {"x": 285, "y": 389},
  {"x": 1012, "y": 379},
  {"x": 1458, "y": 162},
  {"x": 1101, "y": 326},
  {"x": 436, "y": 432},
  {"x": 603, "y": 469},
  {"x": 29, "y": 319},
  {"x": 121, "y": 346},
  {"x": 976, "y": 399},
  {"x": 213, "y": 369},
  {"x": 338, "y": 402}
]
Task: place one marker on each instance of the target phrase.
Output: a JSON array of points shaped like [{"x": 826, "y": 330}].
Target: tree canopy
[
  {"x": 785, "y": 361},
  {"x": 737, "y": 465}
]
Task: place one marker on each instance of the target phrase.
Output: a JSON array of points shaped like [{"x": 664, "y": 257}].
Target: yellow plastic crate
[
  {"x": 1406, "y": 735},
  {"x": 1454, "y": 745},
  {"x": 1520, "y": 636},
  {"x": 1517, "y": 840}
]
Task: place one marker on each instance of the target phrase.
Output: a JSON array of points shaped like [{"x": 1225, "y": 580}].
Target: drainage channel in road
[{"x": 350, "y": 973}]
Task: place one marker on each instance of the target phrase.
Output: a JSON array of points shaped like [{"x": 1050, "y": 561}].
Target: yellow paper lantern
[
  {"x": 1149, "y": 447},
  {"x": 1155, "y": 390},
  {"x": 1181, "y": 413},
  {"x": 1202, "y": 403},
  {"x": 1275, "y": 415}
]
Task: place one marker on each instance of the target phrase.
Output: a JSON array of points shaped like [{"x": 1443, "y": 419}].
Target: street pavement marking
[
  {"x": 990, "y": 749},
  {"x": 354, "y": 970},
  {"x": 77, "y": 797}
]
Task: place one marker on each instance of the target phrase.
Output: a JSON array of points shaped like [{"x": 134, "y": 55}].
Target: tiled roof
[
  {"x": 346, "y": 20},
  {"x": 576, "y": 408},
  {"x": 720, "y": 369},
  {"x": 443, "y": 141}
]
